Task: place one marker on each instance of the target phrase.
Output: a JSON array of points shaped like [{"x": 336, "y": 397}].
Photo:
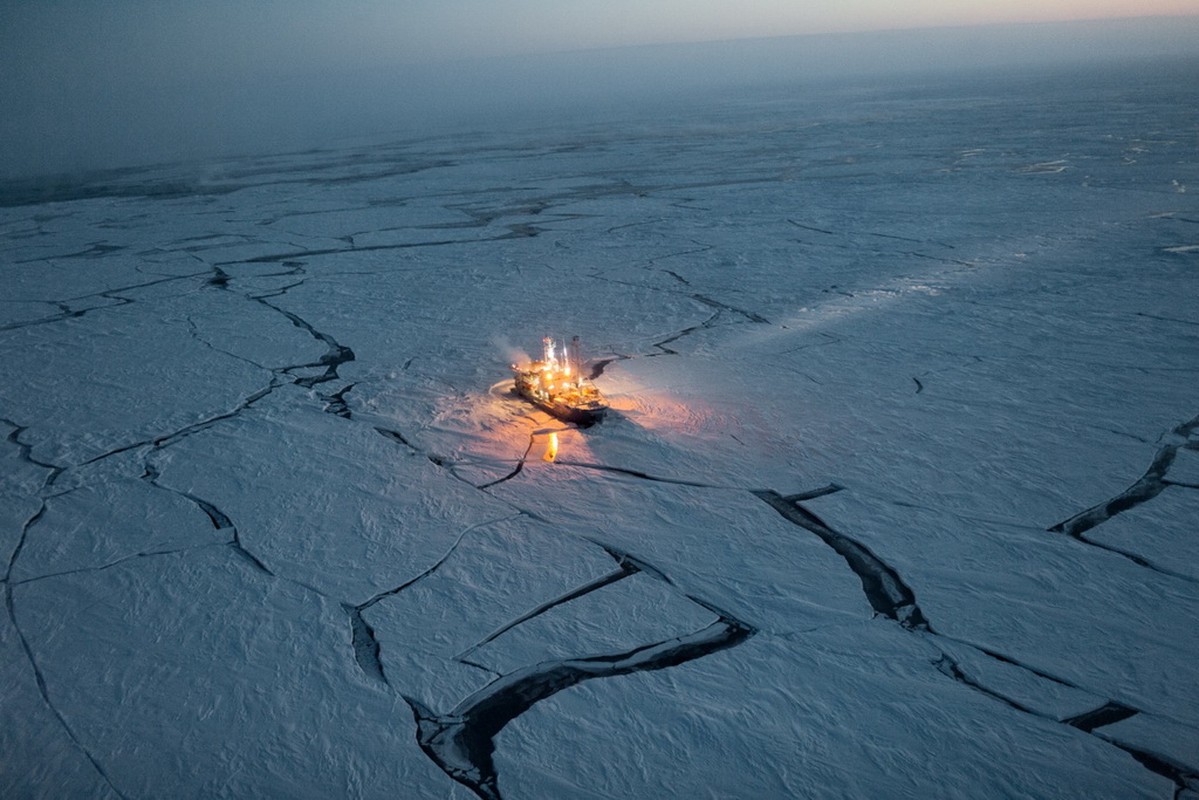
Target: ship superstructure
[{"x": 557, "y": 385}]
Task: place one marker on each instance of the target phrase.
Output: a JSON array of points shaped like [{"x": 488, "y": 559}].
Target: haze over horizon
[{"x": 91, "y": 86}]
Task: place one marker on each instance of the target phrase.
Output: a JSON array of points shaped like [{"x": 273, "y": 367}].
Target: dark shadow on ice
[
  {"x": 520, "y": 465},
  {"x": 1183, "y": 777},
  {"x": 716, "y": 304},
  {"x": 812, "y": 494},
  {"x": 396, "y": 436},
  {"x": 885, "y": 590},
  {"x": 220, "y": 520},
  {"x": 336, "y": 403},
  {"x": 626, "y": 569},
  {"x": 1147, "y": 487},
  {"x": 219, "y": 279},
  {"x": 949, "y": 667},
  {"x": 598, "y": 367},
  {"x": 26, "y": 453},
  {"x": 366, "y": 646},
  {"x": 1107, "y": 714},
  {"x": 634, "y": 473}
]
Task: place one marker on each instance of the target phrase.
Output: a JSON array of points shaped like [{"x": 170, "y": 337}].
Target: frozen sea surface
[{"x": 898, "y": 497}]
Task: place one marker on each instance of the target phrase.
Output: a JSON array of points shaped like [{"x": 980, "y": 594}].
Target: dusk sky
[
  {"x": 223, "y": 35},
  {"x": 80, "y": 79}
]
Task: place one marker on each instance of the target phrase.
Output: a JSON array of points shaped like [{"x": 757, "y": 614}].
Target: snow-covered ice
[{"x": 898, "y": 495}]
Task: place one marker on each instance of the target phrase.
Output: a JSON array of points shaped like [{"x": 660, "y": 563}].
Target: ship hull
[{"x": 583, "y": 416}]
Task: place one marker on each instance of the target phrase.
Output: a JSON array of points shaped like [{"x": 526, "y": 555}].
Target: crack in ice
[
  {"x": 885, "y": 590},
  {"x": 365, "y": 643},
  {"x": 1152, "y": 483},
  {"x": 891, "y": 597},
  {"x": 462, "y": 741}
]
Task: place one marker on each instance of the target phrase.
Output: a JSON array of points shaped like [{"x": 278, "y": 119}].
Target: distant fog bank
[{"x": 58, "y": 124}]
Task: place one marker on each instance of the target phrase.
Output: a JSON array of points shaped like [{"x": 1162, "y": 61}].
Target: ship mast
[{"x": 576, "y": 361}]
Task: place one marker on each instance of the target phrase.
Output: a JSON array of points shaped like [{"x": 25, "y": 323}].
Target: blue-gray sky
[
  {"x": 88, "y": 83},
  {"x": 218, "y": 36}
]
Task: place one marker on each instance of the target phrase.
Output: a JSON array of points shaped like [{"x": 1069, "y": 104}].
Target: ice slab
[
  {"x": 97, "y": 526},
  {"x": 333, "y": 505},
  {"x": 191, "y": 673}
]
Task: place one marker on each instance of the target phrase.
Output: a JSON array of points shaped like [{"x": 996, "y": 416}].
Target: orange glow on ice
[{"x": 551, "y": 452}]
